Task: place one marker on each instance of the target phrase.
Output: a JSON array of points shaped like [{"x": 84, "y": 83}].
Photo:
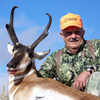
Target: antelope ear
[
  {"x": 10, "y": 48},
  {"x": 41, "y": 55}
]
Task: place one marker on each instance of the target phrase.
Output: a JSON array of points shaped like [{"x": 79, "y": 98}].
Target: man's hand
[{"x": 80, "y": 81}]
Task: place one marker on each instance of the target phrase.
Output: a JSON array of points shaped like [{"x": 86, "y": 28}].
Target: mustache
[{"x": 74, "y": 39}]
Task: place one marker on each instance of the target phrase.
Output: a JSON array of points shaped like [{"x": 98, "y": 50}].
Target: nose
[
  {"x": 10, "y": 65},
  {"x": 73, "y": 35}
]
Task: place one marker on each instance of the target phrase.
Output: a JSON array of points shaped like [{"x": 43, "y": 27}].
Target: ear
[
  {"x": 10, "y": 48},
  {"x": 61, "y": 34},
  {"x": 83, "y": 32},
  {"x": 41, "y": 55}
]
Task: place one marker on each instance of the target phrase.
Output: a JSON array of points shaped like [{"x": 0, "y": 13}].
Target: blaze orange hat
[{"x": 70, "y": 20}]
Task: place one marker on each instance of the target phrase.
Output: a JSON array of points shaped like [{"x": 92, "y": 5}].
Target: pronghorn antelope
[{"x": 23, "y": 81}]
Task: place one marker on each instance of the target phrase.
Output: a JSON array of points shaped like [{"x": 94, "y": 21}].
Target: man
[{"x": 77, "y": 64}]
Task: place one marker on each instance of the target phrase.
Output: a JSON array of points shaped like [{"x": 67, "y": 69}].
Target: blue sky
[{"x": 30, "y": 21}]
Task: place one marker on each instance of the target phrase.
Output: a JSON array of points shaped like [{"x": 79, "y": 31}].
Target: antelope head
[{"x": 22, "y": 55}]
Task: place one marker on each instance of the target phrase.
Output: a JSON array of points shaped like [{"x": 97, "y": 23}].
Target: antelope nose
[{"x": 10, "y": 65}]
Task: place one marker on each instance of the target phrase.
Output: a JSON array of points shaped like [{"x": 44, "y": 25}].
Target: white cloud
[
  {"x": 28, "y": 36},
  {"x": 22, "y": 21}
]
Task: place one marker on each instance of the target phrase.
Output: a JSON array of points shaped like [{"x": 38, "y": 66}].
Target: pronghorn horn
[
  {"x": 43, "y": 35},
  {"x": 10, "y": 28}
]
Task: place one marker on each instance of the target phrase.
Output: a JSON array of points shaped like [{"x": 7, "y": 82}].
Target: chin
[{"x": 74, "y": 49}]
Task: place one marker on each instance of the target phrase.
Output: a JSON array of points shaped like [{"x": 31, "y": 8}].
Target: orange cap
[{"x": 70, "y": 20}]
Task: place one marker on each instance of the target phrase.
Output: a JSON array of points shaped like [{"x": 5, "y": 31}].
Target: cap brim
[{"x": 68, "y": 25}]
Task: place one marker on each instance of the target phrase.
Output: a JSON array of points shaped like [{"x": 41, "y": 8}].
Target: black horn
[
  {"x": 43, "y": 35},
  {"x": 10, "y": 27}
]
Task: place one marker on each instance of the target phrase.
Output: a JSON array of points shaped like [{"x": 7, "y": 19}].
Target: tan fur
[{"x": 30, "y": 82}]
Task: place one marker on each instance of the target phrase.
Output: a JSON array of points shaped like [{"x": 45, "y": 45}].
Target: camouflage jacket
[{"x": 71, "y": 65}]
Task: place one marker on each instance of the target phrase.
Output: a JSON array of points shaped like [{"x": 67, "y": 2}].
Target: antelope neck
[{"x": 19, "y": 78}]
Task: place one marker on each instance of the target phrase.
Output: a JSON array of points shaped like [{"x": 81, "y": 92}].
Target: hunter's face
[{"x": 73, "y": 38}]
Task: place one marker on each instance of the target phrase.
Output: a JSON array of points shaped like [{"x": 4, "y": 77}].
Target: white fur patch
[
  {"x": 40, "y": 94},
  {"x": 22, "y": 66}
]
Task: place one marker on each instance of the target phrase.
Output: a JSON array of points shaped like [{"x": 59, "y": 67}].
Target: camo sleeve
[
  {"x": 97, "y": 53},
  {"x": 47, "y": 69}
]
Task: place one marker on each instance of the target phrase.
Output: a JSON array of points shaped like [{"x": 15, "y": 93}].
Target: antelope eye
[{"x": 30, "y": 55}]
